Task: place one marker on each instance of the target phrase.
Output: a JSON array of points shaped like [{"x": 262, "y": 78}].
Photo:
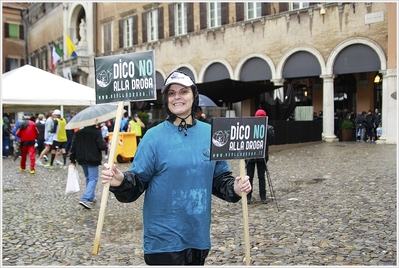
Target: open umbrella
[
  {"x": 205, "y": 101},
  {"x": 93, "y": 115}
]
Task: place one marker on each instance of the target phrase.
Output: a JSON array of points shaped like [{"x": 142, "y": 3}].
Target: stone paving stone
[{"x": 337, "y": 205}]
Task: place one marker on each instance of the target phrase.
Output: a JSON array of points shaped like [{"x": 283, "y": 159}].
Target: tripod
[{"x": 269, "y": 181}]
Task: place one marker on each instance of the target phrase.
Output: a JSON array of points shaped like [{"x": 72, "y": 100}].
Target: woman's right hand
[{"x": 114, "y": 176}]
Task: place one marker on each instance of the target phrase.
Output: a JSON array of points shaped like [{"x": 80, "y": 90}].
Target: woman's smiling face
[{"x": 180, "y": 100}]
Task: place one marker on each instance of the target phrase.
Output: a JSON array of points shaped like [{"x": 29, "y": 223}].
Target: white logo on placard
[
  {"x": 220, "y": 138},
  {"x": 104, "y": 78}
]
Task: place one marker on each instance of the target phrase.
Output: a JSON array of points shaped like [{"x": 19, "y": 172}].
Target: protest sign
[
  {"x": 125, "y": 77},
  {"x": 119, "y": 78},
  {"x": 239, "y": 138}
]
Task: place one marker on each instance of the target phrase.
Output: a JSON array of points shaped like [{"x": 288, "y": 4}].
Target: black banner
[
  {"x": 238, "y": 138},
  {"x": 125, "y": 77}
]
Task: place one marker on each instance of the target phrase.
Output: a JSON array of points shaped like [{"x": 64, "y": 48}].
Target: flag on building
[
  {"x": 70, "y": 46},
  {"x": 56, "y": 54}
]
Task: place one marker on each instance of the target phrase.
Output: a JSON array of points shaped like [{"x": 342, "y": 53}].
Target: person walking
[
  {"x": 260, "y": 164},
  {"x": 59, "y": 138},
  {"x": 27, "y": 133},
  {"x": 41, "y": 126},
  {"x": 86, "y": 150},
  {"x": 48, "y": 139},
  {"x": 178, "y": 180}
]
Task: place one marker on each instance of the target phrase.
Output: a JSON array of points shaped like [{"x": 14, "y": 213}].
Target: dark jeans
[
  {"x": 6, "y": 145},
  {"x": 189, "y": 256},
  {"x": 261, "y": 166}
]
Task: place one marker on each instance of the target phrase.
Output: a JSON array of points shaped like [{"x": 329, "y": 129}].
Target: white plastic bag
[{"x": 72, "y": 185}]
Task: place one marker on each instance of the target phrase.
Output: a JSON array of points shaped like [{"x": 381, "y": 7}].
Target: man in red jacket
[{"x": 27, "y": 132}]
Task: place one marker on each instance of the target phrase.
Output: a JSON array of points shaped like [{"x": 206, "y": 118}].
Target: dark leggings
[
  {"x": 261, "y": 175},
  {"x": 188, "y": 256}
]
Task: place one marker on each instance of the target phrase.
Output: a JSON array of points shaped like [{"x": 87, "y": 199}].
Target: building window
[
  {"x": 11, "y": 64},
  {"x": 253, "y": 10},
  {"x": 152, "y": 30},
  {"x": 298, "y": 5},
  {"x": 128, "y": 32},
  {"x": 181, "y": 18},
  {"x": 107, "y": 37},
  {"x": 214, "y": 14}
]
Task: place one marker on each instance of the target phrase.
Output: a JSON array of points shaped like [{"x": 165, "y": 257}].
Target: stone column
[
  {"x": 328, "y": 108},
  {"x": 389, "y": 109}
]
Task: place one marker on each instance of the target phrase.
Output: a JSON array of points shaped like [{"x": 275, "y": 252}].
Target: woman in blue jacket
[{"x": 172, "y": 165}]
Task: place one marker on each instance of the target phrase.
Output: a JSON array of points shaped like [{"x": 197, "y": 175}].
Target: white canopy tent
[{"x": 30, "y": 89}]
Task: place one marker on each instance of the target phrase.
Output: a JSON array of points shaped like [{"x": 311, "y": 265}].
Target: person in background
[
  {"x": 370, "y": 126},
  {"x": 199, "y": 115},
  {"x": 69, "y": 133},
  {"x": 377, "y": 122},
  {"x": 27, "y": 133},
  {"x": 105, "y": 135},
  {"x": 124, "y": 123},
  {"x": 7, "y": 134},
  {"x": 172, "y": 167},
  {"x": 41, "y": 126},
  {"x": 59, "y": 138},
  {"x": 361, "y": 127},
  {"x": 86, "y": 150},
  {"x": 260, "y": 164},
  {"x": 136, "y": 126},
  {"x": 48, "y": 138}
]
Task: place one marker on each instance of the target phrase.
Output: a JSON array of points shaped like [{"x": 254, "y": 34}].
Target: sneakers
[
  {"x": 85, "y": 204},
  {"x": 32, "y": 171},
  {"x": 64, "y": 167},
  {"x": 45, "y": 158},
  {"x": 48, "y": 166},
  {"x": 39, "y": 163},
  {"x": 22, "y": 169},
  {"x": 59, "y": 163}
]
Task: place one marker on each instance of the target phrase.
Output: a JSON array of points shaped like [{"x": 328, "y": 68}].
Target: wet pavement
[{"x": 337, "y": 205}]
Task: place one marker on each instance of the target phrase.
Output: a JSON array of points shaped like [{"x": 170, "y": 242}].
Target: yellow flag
[{"x": 70, "y": 46}]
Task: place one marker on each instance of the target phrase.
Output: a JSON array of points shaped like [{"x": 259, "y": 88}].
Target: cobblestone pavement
[{"x": 337, "y": 205}]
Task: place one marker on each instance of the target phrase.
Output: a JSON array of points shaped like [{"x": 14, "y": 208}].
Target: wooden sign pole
[
  {"x": 245, "y": 214},
  {"x": 105, "y": 194}
]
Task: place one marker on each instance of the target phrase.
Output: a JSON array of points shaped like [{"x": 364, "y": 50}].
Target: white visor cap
[{"x": 177, "y": 78}]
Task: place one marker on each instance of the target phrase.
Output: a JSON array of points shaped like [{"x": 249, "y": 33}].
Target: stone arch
[
  {"x": 78, "y": 12},
  {"x": 358, "y": 40},
  {"x": 205, "y": 68},
  {"x": 242, "y": 61},
  {"x": 287, "y": 54},
  {"x": 189, "y": 67}
]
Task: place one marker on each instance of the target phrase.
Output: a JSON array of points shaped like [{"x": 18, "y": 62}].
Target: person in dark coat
[
  {"x": 86, "y": 150},
  {"x": 7, "y": 134},
  {"x": 370, "y": 126},
  {"x": 260, "y": 164}
]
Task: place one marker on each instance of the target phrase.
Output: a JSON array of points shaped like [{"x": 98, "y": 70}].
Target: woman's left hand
[{"x": 242, "y": 185}]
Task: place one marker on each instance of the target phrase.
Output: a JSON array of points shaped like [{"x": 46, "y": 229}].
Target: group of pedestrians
[
  {"x": 36, "y": 135},
  {"x": 368, "y": 126}
]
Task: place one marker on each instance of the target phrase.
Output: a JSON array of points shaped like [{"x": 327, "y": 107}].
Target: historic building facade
[{"x": 327, "y": 54}]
